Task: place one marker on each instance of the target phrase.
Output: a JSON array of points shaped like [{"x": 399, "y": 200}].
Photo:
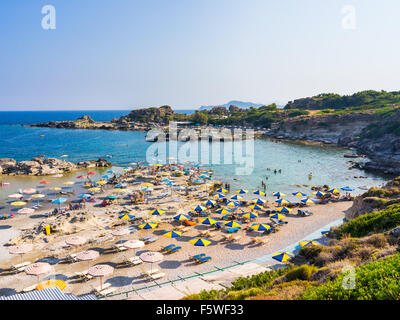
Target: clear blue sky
[{"x": 129, "y": 53}]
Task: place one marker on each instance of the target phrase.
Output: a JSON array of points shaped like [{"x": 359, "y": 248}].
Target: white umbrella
[
  {"x": 101, "y": 270},
  {"x": 21, "y": 249},
  {"x": 151, "y": 257},
  {"x": 38, "y": 269},
  {"x": 75, "y": 241}
]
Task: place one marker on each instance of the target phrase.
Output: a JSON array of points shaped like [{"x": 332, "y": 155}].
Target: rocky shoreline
[{"x": 41, "y": 166}]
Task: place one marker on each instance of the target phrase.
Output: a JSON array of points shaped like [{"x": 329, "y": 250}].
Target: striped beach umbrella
[
  {"x": 255, "y": 207},
  {"x": 241, "y": 191},
  {"x": 202, "y": 242},
  {"x": 200, "y": 208},
  {"x": 324, "y": 233},
  {"x": 308, "y": 243},
  {"x": 299, "y": 194},
  {"x": 232, "y": 204},
  {"x": 308, "y": 201},
  {"x": 52, "y": 283},
  {"x": 282, "y": 201},
  {"x": 259, "y": 192},
  {"x": 221, "y": 190},
  {"x": 209, "y": 202},
  {"x": 148, "y": 225},
  {"x": 218, "y": 196},
  {"x": 334, "y": 191},
  {"x": 250, "y": 215},
  {"x": 126, "y": 216},
  {"x": 157, "y": 212},
  {"x": 237, "y": 197},
  {"x": 277, "y": 216},
  {"x": 223, "y": 211},
  {"x": 258, "y": 201},
  {"x": 282, "y": 256},
  {"x": 260, "y": 227},
  {"x": 279, "y": 194},
  {"x": 208, "y": 221},
  {"x": 284, "y": 209},
  {"x": 181, "y": 217},
  {"x": 319, "y": 193},
  {"x": 233, "y": 224},
  {"x": 172, "y": 234}
]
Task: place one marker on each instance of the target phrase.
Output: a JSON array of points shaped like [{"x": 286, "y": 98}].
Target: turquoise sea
[{"x": 327, "y": 164}]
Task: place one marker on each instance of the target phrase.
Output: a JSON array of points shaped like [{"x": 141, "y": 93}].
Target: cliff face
[{"x": 160, "y": 115}]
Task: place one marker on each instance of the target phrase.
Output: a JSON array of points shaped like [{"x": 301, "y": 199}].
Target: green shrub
[
  {"x": 303, "y": 272},
  {"x": 206, "y": 295},
  {"x": 310, "y": 252},
  {"x": 243, "y": 294},
  {"x": 262, "y": 280},
  {"x": 378, "y": 280}
]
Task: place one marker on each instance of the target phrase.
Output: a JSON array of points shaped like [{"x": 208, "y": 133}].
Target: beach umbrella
[
  {"x": 26, "y": 211},
  {"x": 75, "y": 241},
  {"x": 308, "y": 243},
  {"x": 233, "y": 224},
  {"x": 38, "y": 196},
  {"x": 241, "y": 191},
  {"x": 203, "y": 176},
  {"x": 218, "y": 195},
  {"x": 200, "y": 208},
  {"x": 319, "y": 193},
  {"x": 80, "y": 177},
  {"x": 250, "y": 215},
  {"x": 308, "y": 201},
  {"x": 18, "y": 203},
  {"x": 260, "y": 227},
  {"x": 166, "y": 180},
  {"x": 223, "y": 211},
  {"x": 221, "y": 190},
  {"x": 110, "y": 171},
  {"x": 208, "y": 221},
  {"x": 237, "y": 197},
  {"x": 255, "y": 207},
  {"x": 87, "y": 255},
  {"x": 120, "y": 185},
  {"x": 84, "y": 196},
  {"x": 347, "y": 189},
  {"x": 121, "y": 232},
  {"x": 284, "y": 209},
  {"x": 181, "y": 217},
  {"x": 282, "y": 256},
  {"x": 45, "y": 182},
  {"x": 133, "y": 244},
  {"x": 59, "y": 201},
  {"x": 69, "y": 183},
  {"x": 232, "y": 204},
  {"x": 21, "y": 249},
  {"x": 259, "y": 192},
  {"x": 299, "y": 194},
  {"x": 37, "y": 269},
  {"x": 29, "y": 191},
  {"x": 157, "y": 212},
  {"x": 101, "y": 182},
  {"x": 147, "y": 189},
  {"x": 151, "y": 257},
  {"x": 147, "y": 184},
  {"x": 64, "y": 156},
  {"x": 148, "y": 225},
  {"x": 120, "y": 190},
  {"x": 201, "y": 242},
  {"x": 106, "y": 176},
  {"x": 172, "y": 234},
  {"x": 126, "y": 216},
  {"x": 91, "y": 173},
  {"x": 15, "y": 196},
  {"x": 278, "y": 194},
  {"x": 258, "y": 201},
  {"x": 55, "y": 189},
  {"x": 334, "y": 191},
  {"x": 282, "y": 201},
  {"x": 94, "y": 189},
  {"x": 324, "y": 233},
  {"x": 209, "y": 202},
  {"x": 100, "y": 271},
  {"x": 277, "y": 216},
  {"x": 52, "y": 283}
]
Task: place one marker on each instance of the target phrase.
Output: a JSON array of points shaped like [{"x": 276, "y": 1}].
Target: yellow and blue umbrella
[
  {"x": 241, "y": 191},
  {"x": 200, "y": 208},
  {"x": 255, "y": 207},
  {"x": 258, "y": 201},
  {"x": 94, "y": 189},
  {"x": 157, "y": 212},
  {"x": 232, "y": 204},
  {"x": 308, "y": 243},
  {"x": 237, "y": 197},
  {"x": 181, "y": 217},
  {"x": 223, "y": 211},
  {"x": 126, "y": 216},
  {"x": 172, "y": 234},
  {"x": 284, "y": 209},
  {"x": 282, "y": 201},
  {"x": 334, "y": 191},
  {"x": 250, "y": 215},
  {"x": 202, "y": 242},
  {"x": 277, "y": 216},
  {"x": 101, "y": 182},
  {"x": 260, "y": 227},
  {"x": 319, "y": 193},
  {"x": 218, "y": 195},
  {"x": 221, "y": 190},
  {"x": 18, "y": 203},
  {"x": 69, "y": 183},
  {"x": 283, "y": 256},
  {"x": 324, "y": 233},
  {"x": 278, "y": 194},
  {"x": 299, "y": 194},
  {"x": 209, "y": 202},
  {"x": 148, "y": 225},
  {"x": 233, "y": 224},
  {"x": 259, "y": 192},
  {"x": 308, "y": 201},
  {"x": 208, "y": 221}
]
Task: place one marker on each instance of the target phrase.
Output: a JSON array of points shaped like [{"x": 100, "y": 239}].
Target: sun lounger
[
  {"x": 83, "y": 275},
  {"x": 167, "y": 247},
  {"x": 71, "y": 258},
  {"x": 146, "y": 237},
  {"x": 232, "y": 230},
  {"x": 262, "y": 241},
  {"x": 135, "y": 261},
  {"x": 185, "y": 229},
  {"x": 105, "y": 292},
  {"x": 156, "y": 276},
  {"x": 20, "y": 267},
  {"x": 120, "y": 247},
  {"x": 225, "y": 237},
  {"x": 103, "y": 287},
  {"x": 174, "y": 249},
  {"x": 202, "y": 260},
  {"x": 150, "y": 272},
  {"x": 29, "y": 289},
  {"x": 152, "y": 240},
  {"x": 198, "y": 256},
  {"x": 235, "y": 238}
]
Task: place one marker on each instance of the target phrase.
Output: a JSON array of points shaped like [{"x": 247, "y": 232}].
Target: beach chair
[
  {"x": 83, "y": 276},
  {"x": 148, "y": 273},
  {"x": 202, "y": 260},
  {"x": 174, "y": 249},
  {"x": 225, "y": 237},
  {"x": 232, "y": 230},
  {"x": 135, "y": 261},
  {"x": 20, "y": 267},
  {"x": 119, "y": 247},
  {"x": 262, "y": 241},
  {"x": 156, "y": 276},
  {"x": 104, "y": 286},
  {"x": 146, "y": 237},
  {"x": 185, "y": 229},
  {"x": 29, "y": 289},
  {"x": 210, "y": 234},
  {"x": 71, "y": 258},
  {"x": 235, "y": 238},
  {"x": 152, "y": 240},
  {"x": 198, "y": 256},
  {"x": 170, "y": 246}
]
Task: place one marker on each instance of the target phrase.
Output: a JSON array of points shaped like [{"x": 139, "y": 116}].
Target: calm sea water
[{"x": 295, "y": 161}]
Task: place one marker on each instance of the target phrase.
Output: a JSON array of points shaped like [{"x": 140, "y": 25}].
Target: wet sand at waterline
[{"x": 100, "y": 222}]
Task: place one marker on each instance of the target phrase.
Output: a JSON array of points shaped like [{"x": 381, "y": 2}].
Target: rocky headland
[{"x": 41, "y": 166}]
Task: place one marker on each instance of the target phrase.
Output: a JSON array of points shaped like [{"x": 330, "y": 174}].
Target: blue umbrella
[
  {"x": 347, "y": 189},
  {"x": 203, "y": 176},
  {"x": 121, "y": 185},
  {"x": 84, "y": 196},
  {"x": 166, "y": 180},
  {"x": 106, "y": 176},
  {"x": 110, "y": 171},
  {"x": 59, "y": 200}
]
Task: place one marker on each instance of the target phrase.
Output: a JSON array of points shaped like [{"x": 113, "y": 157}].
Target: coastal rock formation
[
  {"x": 40, "y": 166},
  {"x": 159, "y": 116}
]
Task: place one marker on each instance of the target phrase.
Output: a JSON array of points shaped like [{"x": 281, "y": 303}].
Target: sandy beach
[{"x": 96, "y": 223}]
